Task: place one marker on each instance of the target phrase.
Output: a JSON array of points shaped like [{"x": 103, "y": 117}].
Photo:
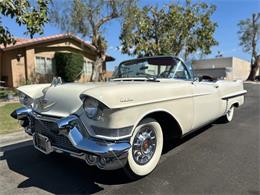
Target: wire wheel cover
[{"x": 144, "y": 145}]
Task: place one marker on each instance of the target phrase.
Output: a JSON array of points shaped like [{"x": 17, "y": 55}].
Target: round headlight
[
  {"x": 93, "y": 109},
  {"x": 25, "y": 100}
]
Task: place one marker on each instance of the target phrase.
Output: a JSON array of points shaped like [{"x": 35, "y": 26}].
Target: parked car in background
[
  {"x": 125, "y": 122},
  {"x": 257, "y": 78}
]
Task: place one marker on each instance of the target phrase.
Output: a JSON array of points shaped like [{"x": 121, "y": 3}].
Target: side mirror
[{"x": 196, "y": 78}]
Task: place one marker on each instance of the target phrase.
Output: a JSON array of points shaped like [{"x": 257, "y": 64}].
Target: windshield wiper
[{"x": 149, "y": 77}]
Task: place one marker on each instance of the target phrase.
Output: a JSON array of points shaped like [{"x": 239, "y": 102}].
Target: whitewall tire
[
  {"x": 147, "y": 144},
  {"x": 229, "y": 115}
]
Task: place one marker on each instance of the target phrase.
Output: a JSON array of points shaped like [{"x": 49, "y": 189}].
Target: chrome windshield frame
[{"x": 178, "y": 60}]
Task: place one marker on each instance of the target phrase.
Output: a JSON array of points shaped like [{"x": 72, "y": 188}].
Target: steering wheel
[{"x": 207, "y": 78}]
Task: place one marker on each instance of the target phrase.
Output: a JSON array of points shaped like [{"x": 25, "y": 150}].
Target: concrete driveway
[{"x": 217, "y": 159}]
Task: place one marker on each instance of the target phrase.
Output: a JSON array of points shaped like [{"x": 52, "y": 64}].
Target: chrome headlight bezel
[
  {"x": 26, "y": 100},
  {"x": 93, "y": 108}
]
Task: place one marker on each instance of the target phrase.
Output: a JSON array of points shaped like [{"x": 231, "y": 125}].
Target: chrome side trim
[
  {"x": 114, "y": 132},
  {"x": 232, "y": 95},
  {"x": 132, "y": 104},
  {"x": 43, "y": 118}
]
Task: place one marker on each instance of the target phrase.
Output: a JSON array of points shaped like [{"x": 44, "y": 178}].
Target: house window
[
  {"x": 87, "y": 67},
  {"x": 48, "y": 63},
  {"x": 43, "y": 65}
]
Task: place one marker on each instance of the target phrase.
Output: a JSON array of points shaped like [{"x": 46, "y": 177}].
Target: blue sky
[{"x": 227, "y": 15}]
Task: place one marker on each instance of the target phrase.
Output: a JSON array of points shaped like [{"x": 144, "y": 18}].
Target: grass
[{"x": 7, "y": 123}]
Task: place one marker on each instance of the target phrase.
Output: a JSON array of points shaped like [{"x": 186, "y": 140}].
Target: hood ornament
[
  {"x": 43, "y": 103},
  {"x": 56, "y": 81}
]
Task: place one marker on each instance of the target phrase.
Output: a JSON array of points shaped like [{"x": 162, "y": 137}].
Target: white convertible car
[{"x": 125, "y": 122}]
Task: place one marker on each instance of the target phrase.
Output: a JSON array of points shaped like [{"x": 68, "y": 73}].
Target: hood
[
  {"x": 63, "y": 100},
  {"x": 126, "y": 94}
]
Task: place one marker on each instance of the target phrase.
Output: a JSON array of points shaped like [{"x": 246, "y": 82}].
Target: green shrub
[
  {"x": 25, "y": 82},
  {"x": 7, "y": 92},
  {"x": 68, "y": 65},
  {"x": 3, "y": 94}
]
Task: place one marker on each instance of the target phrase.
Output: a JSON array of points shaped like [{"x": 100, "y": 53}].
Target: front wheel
[{"x": 147, "y": 144}]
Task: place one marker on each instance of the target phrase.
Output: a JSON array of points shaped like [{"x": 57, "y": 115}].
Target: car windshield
[{"x": 152, "y": 68}]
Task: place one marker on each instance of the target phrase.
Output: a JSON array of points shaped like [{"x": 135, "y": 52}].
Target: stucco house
[
  {"x": 32, "y": 59},
  {"x": 230, "y": 68}
]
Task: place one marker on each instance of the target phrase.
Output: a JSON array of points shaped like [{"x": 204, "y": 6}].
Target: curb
[
  {"x": 252, "y": 82},
  {"x": 14, "y": 138}
]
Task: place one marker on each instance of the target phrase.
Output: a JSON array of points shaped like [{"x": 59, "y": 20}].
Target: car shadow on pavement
[
  {"x": 61, "y": 174},
  {"x": 58, "y": 173},
  {"x": 173, "y": 143}
]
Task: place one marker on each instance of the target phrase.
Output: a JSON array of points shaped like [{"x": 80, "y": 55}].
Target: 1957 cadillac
[{"x": 125, "y": 122}]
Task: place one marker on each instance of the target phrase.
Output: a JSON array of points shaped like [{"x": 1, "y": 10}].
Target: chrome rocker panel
[{"x": 104, "y": 154}]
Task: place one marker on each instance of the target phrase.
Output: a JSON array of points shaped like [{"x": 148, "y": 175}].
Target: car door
[
  {"x": 183, "y": 108},
  {"x": 206, "y": 102}
]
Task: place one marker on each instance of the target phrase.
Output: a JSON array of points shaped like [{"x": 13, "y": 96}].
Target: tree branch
[{"x": 114, "y": 14}]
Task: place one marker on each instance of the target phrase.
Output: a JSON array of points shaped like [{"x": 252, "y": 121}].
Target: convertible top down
[{"x": 125, "y": 122}]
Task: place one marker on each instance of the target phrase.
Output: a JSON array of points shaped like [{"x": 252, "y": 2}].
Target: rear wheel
[
  {"x": 229, "y": 115},
  {"x": 147, "y": 144}
]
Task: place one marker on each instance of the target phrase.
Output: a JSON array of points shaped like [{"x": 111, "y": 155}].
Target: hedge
[{"x": 68, "y": 65}]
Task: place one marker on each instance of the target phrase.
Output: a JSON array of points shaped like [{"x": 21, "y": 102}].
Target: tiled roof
[
  {"x": 23, "y": 42},
  {"x": 20, "y": 42}
]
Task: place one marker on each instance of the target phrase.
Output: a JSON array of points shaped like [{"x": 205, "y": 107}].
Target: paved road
[{"x": 218, "y": 159}]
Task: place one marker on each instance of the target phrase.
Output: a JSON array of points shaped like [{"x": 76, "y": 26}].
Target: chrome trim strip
[
  {"x": 44, "y": 118},
  {"x": 74, "y": 154},
  {"x": 115, "y": 130},
  {"x": 232, "y": 95},
  {"x": 114, "y": 138},
  {"x": 132, "y": 104}
]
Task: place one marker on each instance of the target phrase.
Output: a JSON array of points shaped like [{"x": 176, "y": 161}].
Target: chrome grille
[{"x": 50, "y": 130}]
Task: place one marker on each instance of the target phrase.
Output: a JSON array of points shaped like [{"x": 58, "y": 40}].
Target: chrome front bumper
[{"x": 104, "y": 154}]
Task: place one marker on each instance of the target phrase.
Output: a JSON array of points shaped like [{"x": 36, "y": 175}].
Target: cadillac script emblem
[{"x": 126, "y": 100}]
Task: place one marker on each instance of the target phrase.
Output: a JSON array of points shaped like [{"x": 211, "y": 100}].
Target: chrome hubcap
[{"x": 144, "y": 145}]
